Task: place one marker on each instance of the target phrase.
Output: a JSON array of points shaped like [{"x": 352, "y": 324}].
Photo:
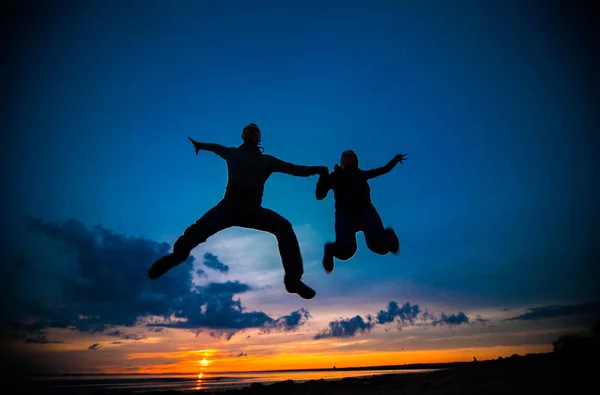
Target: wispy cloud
[
  {"x": 95, "y": 346},
  {"x": 553, "y": 311},
  {"x": 40, "y": 339}
]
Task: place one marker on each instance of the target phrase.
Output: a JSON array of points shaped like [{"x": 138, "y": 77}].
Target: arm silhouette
[
  {"x": 379, "y": 171},
  {"x": 280, "y": 166},
  {"x": 212, "y": 147}
]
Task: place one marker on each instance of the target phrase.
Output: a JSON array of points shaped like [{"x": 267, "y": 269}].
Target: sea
[{"x": 140, "y": 383}]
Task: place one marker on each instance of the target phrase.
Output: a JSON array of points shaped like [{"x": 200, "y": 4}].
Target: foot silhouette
[{"x": 298, "y": 287}]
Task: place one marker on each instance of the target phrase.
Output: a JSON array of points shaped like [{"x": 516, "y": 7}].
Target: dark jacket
[
  {"x": 351, "y": 189},
  {"x": 248, "y": 169}
]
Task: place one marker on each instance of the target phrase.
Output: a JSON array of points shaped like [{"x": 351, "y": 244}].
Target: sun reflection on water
[{"x": 198, "y": 386}]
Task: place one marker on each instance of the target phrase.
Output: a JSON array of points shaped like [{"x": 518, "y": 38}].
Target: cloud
[
  {"x": 227, "y": 335},
  {"x": 214, "y": 307},
  {"x": 40, "y": 339},
  {"x": 554, "y": 311},
  {"x": 95, "y": 346},
  {"x": 242, "y": 354},
  {"x": 288, "y": 323},
  {"x": 348, "y": 327},
  {"x": 229, "y": 287},
  {"x": 212, "y": 262},
  {"x": 407, "y": 314},
  {"x": 452, "y": 319},
  {"x": 404, "y": 314},
  {"x": 100, "y": 285},
  {"x": 123, "y": 335}
]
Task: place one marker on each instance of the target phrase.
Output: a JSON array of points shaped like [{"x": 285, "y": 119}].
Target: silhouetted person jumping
[
  {"x": 248, "y": 170},
  {"x": 354, "y": 211}
]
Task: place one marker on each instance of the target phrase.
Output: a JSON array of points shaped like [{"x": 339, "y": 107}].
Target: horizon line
[{"x": 411, "y": 366}]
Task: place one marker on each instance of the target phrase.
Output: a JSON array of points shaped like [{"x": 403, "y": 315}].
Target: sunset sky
[{"x": 494, "y": 207}]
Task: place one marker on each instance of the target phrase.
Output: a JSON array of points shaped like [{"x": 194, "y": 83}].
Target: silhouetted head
[
  {"x": 349, "y": 160},
  {"x": 251, "y": 134}
]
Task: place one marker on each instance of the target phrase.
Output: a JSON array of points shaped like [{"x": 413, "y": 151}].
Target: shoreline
[{"x": 531, "y": 374}]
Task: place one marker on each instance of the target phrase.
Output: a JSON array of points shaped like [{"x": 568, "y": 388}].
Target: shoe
[
  {"x": 328, "y": 258},
  {"x": 163, "y": 265},
  {"x": 394, "y": 241},
  {"x": 298, "y": 287}
]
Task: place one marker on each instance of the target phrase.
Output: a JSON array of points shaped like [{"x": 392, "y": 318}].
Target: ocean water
[{"x": 88, "y": 384}]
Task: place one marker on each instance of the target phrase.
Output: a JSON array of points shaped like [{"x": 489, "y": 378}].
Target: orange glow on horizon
[{"x": 326, "y": 360}]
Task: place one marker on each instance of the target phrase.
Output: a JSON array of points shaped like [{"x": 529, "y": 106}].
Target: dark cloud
[
  {"x": 452, "y": 319},
  {"x": 554, "y": 311},
  {"x": 229, "y": 287},
  {"x": 479, "y": 319},
  {"x": 242, "y": 354},
  {"x": 348, "y": 327},
  {"x": 406, "y": 314},
  {"x": 294, "y": 319},
  {"x": 227, "y": 335},
  {"x": 100, "y": 285},
  {"x": 123, "y": 335},
  {"x": 95, "y": 346},
  {"x": 288, "y": 323},
  {"x": 40, "y": 339},
  {"x": 212, "y": 262}
]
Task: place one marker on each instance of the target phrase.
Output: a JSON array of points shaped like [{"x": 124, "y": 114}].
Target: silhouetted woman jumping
[
  {"x": 354, "y": 211},
  {"x": 248, "y": 170}
]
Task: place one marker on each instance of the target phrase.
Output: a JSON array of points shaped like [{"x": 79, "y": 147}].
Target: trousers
[
  {"x": 347, "y": 225},
  {"x": 228, "y": 213}
]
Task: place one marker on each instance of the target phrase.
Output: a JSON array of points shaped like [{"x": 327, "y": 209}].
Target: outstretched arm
[
  {"x": 323, "y": 186},
  {"x": 280, "y": 166},
  {"x": 379, "y": 171},
  {"x": 216, "y": 148}
]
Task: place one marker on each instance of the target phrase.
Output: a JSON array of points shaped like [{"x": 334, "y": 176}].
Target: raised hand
[
  {"x": 196, "y": 144},
  {"x": 400, "y": 158}
]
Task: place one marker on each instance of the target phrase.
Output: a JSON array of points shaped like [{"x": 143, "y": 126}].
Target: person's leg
[
  {"x": 379, "y": 239},
  {"x": 344, "y": 247},
  {"x": 269, "y": 221},
  {"x": 213, "y": 221}
]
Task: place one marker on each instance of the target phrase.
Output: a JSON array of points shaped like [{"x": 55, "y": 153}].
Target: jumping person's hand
[
  {"x": 400, "y": 158},
  {"x": 196, "y": 144},
  {"x": 322, "y": 170}
]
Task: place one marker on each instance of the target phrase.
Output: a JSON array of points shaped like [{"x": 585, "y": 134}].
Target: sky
[{"x": 495, "y": 207}]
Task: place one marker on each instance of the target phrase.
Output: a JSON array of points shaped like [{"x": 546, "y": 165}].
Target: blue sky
[{"x": 494, "y": 206}]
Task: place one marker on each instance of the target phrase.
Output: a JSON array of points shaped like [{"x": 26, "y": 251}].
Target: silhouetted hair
[
  {"x": 252, "y": 127},
  {"x": 349, "y": 152}
]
